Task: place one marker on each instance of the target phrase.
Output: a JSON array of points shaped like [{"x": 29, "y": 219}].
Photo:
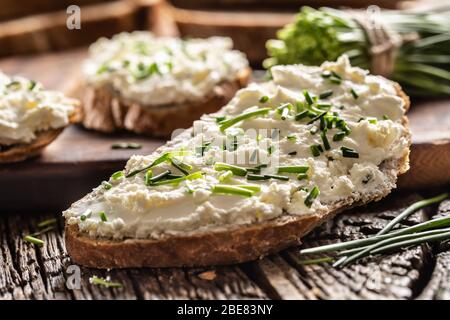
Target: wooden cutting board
[{"x": 79, "y": 159}]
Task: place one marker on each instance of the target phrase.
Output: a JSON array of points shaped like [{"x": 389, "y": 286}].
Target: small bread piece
[
  {"x": 106, "y": 111},
  {"x": 225, "y": 245},
  {"x": 24, "y": 151},
  {"x": 31, "y": 117},
  {"x": 155, "y": 85}
]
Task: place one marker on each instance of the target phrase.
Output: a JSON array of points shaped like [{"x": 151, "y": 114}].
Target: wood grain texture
[{"x": 30, "y": 272}]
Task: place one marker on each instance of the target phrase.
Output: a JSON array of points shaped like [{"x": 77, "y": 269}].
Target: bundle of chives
[{"x": 386, "y": 240}]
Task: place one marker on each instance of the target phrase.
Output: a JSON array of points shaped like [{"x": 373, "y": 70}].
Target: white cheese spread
[
  {"x": 317, "y": 135},
  {"x": 26, "y": 109},
  {"x": 156, "y": 71}
]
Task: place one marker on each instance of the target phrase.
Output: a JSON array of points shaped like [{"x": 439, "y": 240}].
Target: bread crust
[
  {"x": 24, "y": 151},
  {"x": 106, "y": 111},
  {"x": 231, "y": 245}
]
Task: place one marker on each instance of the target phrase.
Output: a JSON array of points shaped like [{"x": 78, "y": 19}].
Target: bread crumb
[{"x": 208, "y": 275}]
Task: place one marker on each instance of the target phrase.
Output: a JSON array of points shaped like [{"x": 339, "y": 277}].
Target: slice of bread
[
  {"x": 24, "y": 151},
  {"x": 223, "y": 245},
  {"x": 103, "y": 109}
]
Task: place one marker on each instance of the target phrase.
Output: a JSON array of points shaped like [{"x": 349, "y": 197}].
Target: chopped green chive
[
  {"x": 46, "y": 223},
  {"x": 302, "y": 115},
  {"x": 324, "y": 106},
  {"x": 292, "y": 153},
  {"x": 31, "y": 85},
  {"x": 231, "y": 190},
  {"x": 277, "y": 177},
  {"x": 302, "y": 176},
  {"x": 339, "y": 136},
  {"x": 373, "y": 120},
  {"x": 126, "y": 145},
  {"x": 86, "y": 214},
  {"x": 292, "y": 169},
  {"x": 192, "y": 176},
  {"x": 219, "y": 119},
  {"x": 263, "y": 99},
  {"x": 315, "y": 150},
  {"x": 239, "y": 171},
  {"x": 106, "y": 185},
  {"x": 34, "y": 240},
  {"x": 308, "y": 98},
  {"x": 316, "y": 261},
  {"x": 354, "y": 94},
  {"x": 117, "y": 175},
  {"x": 257, "y": 177},
  {"x": 313, "y": 194},
  {"x": 320, "y": 116},
  {"x": 147, "y": 177},
  {"x": 385, "y": 117},
  {"x": 324, "y": 138},
  {"x": 103, "y": 282},
  {"x": 335, "y": 80},
  {"x": 291, "y": 137},
  {"x": 336, "y": 75},
  {"x": 284, "y": 110},
  {"x": 326, "y": 94},
  {"x": 349, "y": 153},
  {"x": 270, "y": 149},
  {"x": 102, "y": 216},
  {"x": 228, "y": 123}
]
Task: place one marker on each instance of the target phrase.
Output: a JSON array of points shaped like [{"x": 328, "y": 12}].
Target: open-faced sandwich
[
  {"x": 254, "y": 177},
  {"x": 30, "y": 117},
  {"x": 149, "y": 85}
]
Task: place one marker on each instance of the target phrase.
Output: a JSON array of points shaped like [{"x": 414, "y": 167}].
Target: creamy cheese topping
[
  {"x": 317, "y": 135},
  {"x": 155, "y": 71},
  {"x": 26, "y": 109}
]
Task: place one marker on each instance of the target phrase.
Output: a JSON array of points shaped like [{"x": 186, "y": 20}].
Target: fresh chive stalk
[
  {"x": 410, "y": 210},
  {"x": 427, "y": 225}
]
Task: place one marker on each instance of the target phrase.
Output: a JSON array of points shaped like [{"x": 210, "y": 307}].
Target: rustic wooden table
[
  {"x": 30, "y": 272},
  {"x": 422, "y": 272}
]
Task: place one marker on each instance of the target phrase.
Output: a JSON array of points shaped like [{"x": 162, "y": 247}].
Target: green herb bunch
[{"x": 422, "y": 66}]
